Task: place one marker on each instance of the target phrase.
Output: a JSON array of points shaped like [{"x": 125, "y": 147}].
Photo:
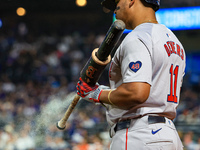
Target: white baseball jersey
[{"x": 150, "y": 53}]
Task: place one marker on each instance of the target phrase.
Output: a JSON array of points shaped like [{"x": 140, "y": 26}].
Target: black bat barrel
[
  {"x": 94, "y": 68},
  {"x": 111, "y": 39}
]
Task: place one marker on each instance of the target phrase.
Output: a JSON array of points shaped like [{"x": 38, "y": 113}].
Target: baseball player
[{"x": 145, "y": 77}]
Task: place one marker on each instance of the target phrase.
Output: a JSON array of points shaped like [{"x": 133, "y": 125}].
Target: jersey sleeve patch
[{"x": 135, "y": 66}]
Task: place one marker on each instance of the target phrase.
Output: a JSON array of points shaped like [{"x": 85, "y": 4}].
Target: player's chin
[{"x": 118, "y": 17}]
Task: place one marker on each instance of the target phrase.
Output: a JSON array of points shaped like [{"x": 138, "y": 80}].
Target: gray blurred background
[{"x": 41, "y": 55}]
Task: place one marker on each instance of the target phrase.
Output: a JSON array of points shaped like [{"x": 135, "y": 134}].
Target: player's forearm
[
  {"x": 119, "y": 99},
  {"x": 126, "y": 96}
]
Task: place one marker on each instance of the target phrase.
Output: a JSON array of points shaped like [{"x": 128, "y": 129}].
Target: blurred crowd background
[{"x": 39, "y": 61}]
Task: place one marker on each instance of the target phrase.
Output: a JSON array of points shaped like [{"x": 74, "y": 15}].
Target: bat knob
[{"x": 60, "y": 128}]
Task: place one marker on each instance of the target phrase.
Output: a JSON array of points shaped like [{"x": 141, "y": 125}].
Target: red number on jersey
[{"x": 173, "y": 85}]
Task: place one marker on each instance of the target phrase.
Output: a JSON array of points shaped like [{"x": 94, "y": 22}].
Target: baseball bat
[{"x": 96, "y": 64}]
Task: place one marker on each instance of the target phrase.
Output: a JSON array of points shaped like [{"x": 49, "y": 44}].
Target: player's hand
[
  {"x": 83, "y": 89},
  {"x": 95, "y": 95}
]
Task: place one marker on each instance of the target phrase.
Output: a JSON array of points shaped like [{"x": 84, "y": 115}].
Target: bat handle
[{"x": 62, "y": 123}]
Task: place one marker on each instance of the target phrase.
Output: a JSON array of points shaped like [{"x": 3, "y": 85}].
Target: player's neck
[
  {"x": 146, "y": 20},
  {"x": 147, "y": 16},
  {"x": 150, "y": 21}
]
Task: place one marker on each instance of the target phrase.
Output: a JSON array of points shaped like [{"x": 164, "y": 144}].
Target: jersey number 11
[{"x": 173, "y": 84}]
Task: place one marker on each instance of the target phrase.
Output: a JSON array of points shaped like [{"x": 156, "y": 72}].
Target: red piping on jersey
[{"x": 126, "y": 138}]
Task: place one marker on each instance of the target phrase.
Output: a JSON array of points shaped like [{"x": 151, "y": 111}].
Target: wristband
[{"x": 109, "y": 97}]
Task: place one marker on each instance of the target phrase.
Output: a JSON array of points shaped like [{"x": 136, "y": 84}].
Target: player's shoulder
[
  {"x": 149, "y": 30},
  {"x": 142, "y": 33}
]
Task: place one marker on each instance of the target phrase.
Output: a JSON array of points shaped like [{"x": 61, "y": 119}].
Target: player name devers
[{"x": 172, "y": 48}]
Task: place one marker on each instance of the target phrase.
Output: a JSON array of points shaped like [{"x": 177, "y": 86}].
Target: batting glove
[
  {"x": 83, "y": 89},
  {"x": 95, "y": 95}
]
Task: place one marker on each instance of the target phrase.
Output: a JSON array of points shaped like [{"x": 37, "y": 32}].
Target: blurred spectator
[{"x": 189, "y": 143}]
